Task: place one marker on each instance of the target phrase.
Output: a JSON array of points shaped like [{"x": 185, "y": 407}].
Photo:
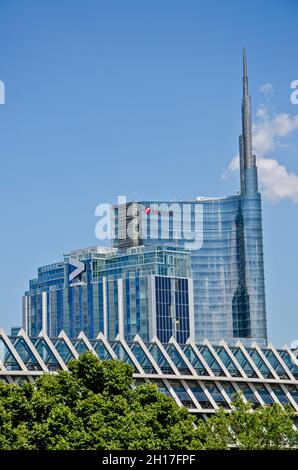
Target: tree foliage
[{"x": 94, "y": 406}]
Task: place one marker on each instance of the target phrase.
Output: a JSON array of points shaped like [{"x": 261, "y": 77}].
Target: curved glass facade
[
  {"x": 224, "y": 237},
  {"x": 226, "y": 265}
]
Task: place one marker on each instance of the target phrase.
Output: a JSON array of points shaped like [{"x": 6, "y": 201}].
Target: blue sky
[{"x": 141, "y": 98}]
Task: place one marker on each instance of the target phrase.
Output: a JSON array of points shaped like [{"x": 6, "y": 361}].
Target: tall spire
[
  {"x": 247, "y": 159},
  {"x": 244, "y": 78}
]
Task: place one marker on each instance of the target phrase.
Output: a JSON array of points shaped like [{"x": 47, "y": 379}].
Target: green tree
[
  {"x": 94, "y": 406},
  {"x": 109, "y": 377},
  {"x": 268, "y": 427}
]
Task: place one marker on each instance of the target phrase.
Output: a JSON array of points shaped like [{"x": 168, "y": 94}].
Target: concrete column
[
  {"x": 152, "y": 306},
  {"x": 105, "y": 313},
  {"x": 44, "y": 311},
  {"x": 25, "y": 310},
  {"x": 191, "y": 310},
  {"x": 120, "y": 308}
]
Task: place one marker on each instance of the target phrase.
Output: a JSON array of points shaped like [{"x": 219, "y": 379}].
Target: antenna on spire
[
  {"x": 244, "y": 63},
  {"x": 248, "y": 174},
  {"x": 244, "y": 79}
]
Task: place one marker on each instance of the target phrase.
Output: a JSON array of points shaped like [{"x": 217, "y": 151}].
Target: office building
[
  {"x": 183, "y": 269},
  {"x": 144, "y": 290},
  {"x": 224, "y": 238}
]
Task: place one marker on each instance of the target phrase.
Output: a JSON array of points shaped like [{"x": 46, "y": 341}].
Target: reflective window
[
  {"x": 259, "y": 363},
  {"x": 161, "y": 386},
  {"x": 46, "y": 354},
  {"x": 211, "y": 361},
  {"x": 248, "y": 369},
  {"x": 7, "y": 357},
  {"x": 177, "y": 359},
  {"x": 229, "y": 389},
  {"x": 194, "y": 360},
  {"x": 3, "y": 380},
  {"x": 63, "y": 350},
  {"x": 293, "y": 391},
  {"x": 138, "y": 382},
  {"x": 289, "y": 362},
  {"x": 279, "y": 393},
  {"x": 181, "y": 393},
  {"x": 79, "y": 346},
  {"x": 141, "y": 357},
  {"x": 274, "y": 362},
  {"x": 121, "y": 353},
  {"x": 101, "y": 350},
  {"x": 249, "y": 395},
  {"x": 216, "y": 394},
  {"x": 227, "y": 361},
  {"x": 264, "y": 394},
  {"x": 26, "y": 354},
  {"x": 20, "y": 380},
  {"x": 159, "y": 358},
  {"x": 200, "y": 395}
]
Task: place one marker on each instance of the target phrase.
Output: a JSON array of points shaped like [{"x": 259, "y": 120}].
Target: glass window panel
[
  {"x": 216, "y": 394},
  {"x": 194, "y": 360},
  {"x": 229, "y": 389},
  {"x": 121, "y": 353},
  {"x": 259, "y": 363},
  {"x": 3, "y": 380},
  {"x": 141, "y": 357},
  {"x": 138, "y": 382},
  {"x": 275, "y": 364},
  {"x": 264, "y": 394},
  {"x": 63, "y": 350},
  {"x": 46, "y": 354},
  {"x": 199, "y": 393},
  {"x": 289, "y": 362},
  {"x": 279, "y": 393},
  {"x": 181, "y": 393},
  {"x": 20, "y": 380},
  {"x": 159, "y": 358},
  {"x": 249, "y": 395},
  {"x": 248, "y": 369},
  {"x": 161, "y": 386},
  {"x": 7, "y": 357},
  {"x": 177, "y": 359},
  {"x": 26, "y": 354},
  {"x": 79, "y": 346},
  {"x": 101, "y": 350},
  {"x": 211, "y": 361},
  {"x": 293, "y": 391},
  {"x": 227, "y": 361}
]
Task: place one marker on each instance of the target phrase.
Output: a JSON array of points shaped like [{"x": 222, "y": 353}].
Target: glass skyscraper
[
  {"x": 144, "y": 290},
  {"x": 187, "y": 269},
  {"x": 224, "y": 239}
]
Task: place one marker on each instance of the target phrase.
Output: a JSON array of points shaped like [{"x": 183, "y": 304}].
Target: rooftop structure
[{"x": 201, "y": 377}]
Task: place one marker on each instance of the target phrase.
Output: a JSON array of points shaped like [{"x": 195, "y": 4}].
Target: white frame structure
[{"x": 203, "y": 394}]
